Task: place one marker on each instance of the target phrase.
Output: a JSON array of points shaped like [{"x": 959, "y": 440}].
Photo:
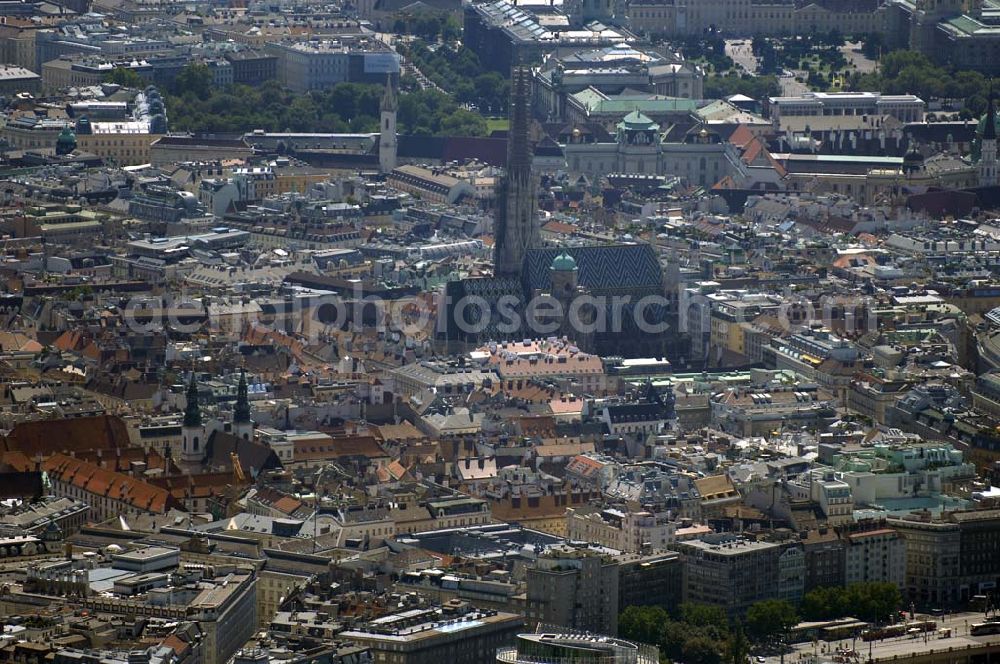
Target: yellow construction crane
[
  {"x": 233, "y": 490},
  {"x": 238, "y": 475}
]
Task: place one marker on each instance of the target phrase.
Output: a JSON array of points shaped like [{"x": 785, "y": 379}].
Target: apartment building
[
  {"x": 732, "y": 572},
  {"x": 875, "y": 555},
  {"x": 621, "y": 529},
  {"x": 575, "y": 588},
  {"x": 950, "y": 558}
]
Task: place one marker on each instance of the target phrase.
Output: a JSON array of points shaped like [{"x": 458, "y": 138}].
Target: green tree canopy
[
  {"x": 737, "y": 646},
  {"x": 346, "y": 107},
  {"x": 756, "y": 87},
  {"x": 771, "y": 618},
  {"x": 701, "y": 650},
  {"x": 703, "y": 615},
  {"x": 697, "y": 634},
  {"x": 643, "y": 623},
  {"x": 193, "y": 79},
  {"x": 872, "y": 602},
  {"x": 459, "y": 71},
  {"x": 125, "y": 77}
]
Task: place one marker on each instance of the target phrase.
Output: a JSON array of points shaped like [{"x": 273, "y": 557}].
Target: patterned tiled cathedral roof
[{"x": 601, "y": 268}]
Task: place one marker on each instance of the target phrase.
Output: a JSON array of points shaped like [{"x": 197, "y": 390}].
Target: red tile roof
[
  {"x": 78, "y": 434},
  {"x": 116, "y": 486}
]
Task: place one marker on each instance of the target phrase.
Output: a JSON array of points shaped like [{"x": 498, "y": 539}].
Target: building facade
[
  {"x": 733, "y": 573},
  {"x": 951, "y": 559},
  {"x": 574, "y": 588}
]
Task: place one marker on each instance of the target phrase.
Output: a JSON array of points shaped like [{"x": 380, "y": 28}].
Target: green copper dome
[
  {"x": 66, "y": 141},
  {"x": 564, "y": 263},
  {"x": 638, "y": 120}
]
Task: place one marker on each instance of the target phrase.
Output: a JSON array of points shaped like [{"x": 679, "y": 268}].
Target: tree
[
  {"x": 672, "y": 639},
  {"x": 817, "y": 81},
  {"x": 426, "y": 25},
  {"x": 769, "y": 619},
  {"x": 643, "y": 623},
  {"x": 492, "y": 90},
  {"x": 703, "y": 615},
  {"x": 834, "y": 38},
  {"x": 701, "y": 650},
  {"x": 897, "y": 61},
  {"x": 873, "y": 602},
  {"x": 758, "y": 44},
  {"x": 303, "y": 114},
  {"x": 194, "y": 79},
  {"x": 872, "y": 45},
  {"x": 451, "y": 30},
  {"x": 823, "y": 603},
  {"x": 463, "y": 123},
  {"x": 342, "y": 108},
  {"x": 755, "y": 87},
  {"x": 125, "y": 77},
  {"x": 737, "y": 646},
  {"x": 966, "y": 84}
]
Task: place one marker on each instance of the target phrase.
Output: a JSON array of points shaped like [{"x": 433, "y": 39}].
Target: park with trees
[
  {"x": 703, "y": 634},
  {"x": 194, "y": 104},
  {"x": 465, "y": 93}
]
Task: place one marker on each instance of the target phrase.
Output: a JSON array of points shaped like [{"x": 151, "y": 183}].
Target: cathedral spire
[
  {"x": 241, "y": 412},
  {"x": 387, "y": 148},
  {"x": 390, "y": 102},
  {"x": 988, "y": 166},
  {"x": 192, "y": 411},
  {"x": 518, "y": 149},
  {"x": 990, "y": 130},
  {"x": 516, "y": 229}
]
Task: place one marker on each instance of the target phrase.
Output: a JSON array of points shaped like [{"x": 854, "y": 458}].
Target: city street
[
  {"x": 901, "y": 646},
  {"x": 791, "y": 87},
  {"x": 852, "y": 51},
  {"x": 740, "y": 52}
]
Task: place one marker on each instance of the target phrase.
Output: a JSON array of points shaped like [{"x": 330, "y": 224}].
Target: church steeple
[
  {"x": 192, "y": 412},
  {"x": 241, "y": 413},
  {"x": 990, "y": 130},
  {"x": 193, "y": 431},
  {"x": 988, "y": 146},
  {"x": 515, "y": 229},
  {"x": 242, "y": 424},
  {"x": 387, "y": 129},
  {"x": 390, "y": 102}
]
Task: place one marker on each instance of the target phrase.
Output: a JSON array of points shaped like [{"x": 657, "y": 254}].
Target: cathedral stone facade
[{"x": 608, "y": 299}]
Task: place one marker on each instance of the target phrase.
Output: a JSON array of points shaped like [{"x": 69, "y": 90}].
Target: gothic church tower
[
  {"x": 242, "y": 424},
  {"x": 193, "y": 430},
  {"x": 988, "y": 148},
  {"x": 387, "y": 137},
  {"x": 516, "y": 228}
]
